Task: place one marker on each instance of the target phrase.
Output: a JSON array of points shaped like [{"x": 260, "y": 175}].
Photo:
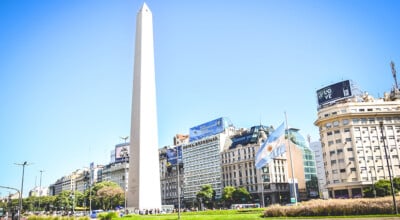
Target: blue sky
[{"x": 66, "y": 70}]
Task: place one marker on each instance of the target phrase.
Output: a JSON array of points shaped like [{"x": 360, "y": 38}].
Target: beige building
[
  {"x": 353, "y": 146},
  {"x": 238, "y": 170}
]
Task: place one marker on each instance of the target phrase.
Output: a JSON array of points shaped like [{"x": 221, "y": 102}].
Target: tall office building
[
  {"x": 143, "y": 185},
  {"x": 358, "y": 133}
]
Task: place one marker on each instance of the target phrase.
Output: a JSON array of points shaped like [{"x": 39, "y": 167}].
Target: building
[
  {"x": 220, "y": 155},
  {"x": 358, "y": 133},
  {"x": 118, "y": 169},
  {"x": 316, "y": 147},
  {"x": 39, "y": 191},
  {"x": 78, "y": 180},
  {"x": 169, "y": 176},
  {"x": 266, "y": 186}
]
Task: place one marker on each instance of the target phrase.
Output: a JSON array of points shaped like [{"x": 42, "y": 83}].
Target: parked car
[{"x": 95, "y": 212}]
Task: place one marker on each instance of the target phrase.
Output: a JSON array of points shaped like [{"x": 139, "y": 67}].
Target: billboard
[
  {"x": 334, "y": 92},
  {"x": 207, "y": 129},
  {"x": 174, "y": 155},
  {"x": 119, "y": 151}
]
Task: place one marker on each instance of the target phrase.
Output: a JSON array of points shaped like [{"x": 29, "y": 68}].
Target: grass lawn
[
  {"x": 206, "y": 215},
  {"x": 244, "y": 214}
]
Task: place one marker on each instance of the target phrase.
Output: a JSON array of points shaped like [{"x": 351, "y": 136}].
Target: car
[{"x": 95, "y": 212}]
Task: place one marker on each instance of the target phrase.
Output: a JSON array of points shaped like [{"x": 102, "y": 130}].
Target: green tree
[
  {"x": 396, "y": 183},
  {"x": 382, "y": 188},
  {"x": 110, "y": 196},
  {"x": 47, "y": 203},
  {"x": 241, "y": 195},
  {"x": 63, "y": 200},
  {"x": 206, "y": 195},
  {"x": 227, "y": 195},
  {"x": 105, "y": 195}
]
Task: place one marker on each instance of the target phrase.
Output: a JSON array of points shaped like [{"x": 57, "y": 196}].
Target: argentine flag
[{"x": 273, "y": 147}]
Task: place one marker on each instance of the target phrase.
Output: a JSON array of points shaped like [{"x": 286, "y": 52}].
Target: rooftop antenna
[{"x": 394, "y": 74}]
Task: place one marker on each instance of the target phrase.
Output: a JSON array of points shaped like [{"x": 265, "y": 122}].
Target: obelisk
[{"x": 144, "y": 180}]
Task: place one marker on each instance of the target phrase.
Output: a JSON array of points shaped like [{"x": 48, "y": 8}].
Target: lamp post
[
  {"x": 179, "y": 189},
  {"x": 387, "y": 162},
  {"x": 22, "y": 187},
  {"x": 40, "y": 186},
  {"x": 264, "y": 171}
]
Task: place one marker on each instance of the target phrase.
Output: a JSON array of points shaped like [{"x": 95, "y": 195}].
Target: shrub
[
  {"x": 333, "y": 207},
  {"x": 107, "y": 215}
]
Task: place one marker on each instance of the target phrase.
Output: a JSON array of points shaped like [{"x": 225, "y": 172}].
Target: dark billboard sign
[{"x": 334, "y": 92}]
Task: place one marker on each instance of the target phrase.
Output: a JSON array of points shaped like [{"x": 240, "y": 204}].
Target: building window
[
  {"x": 371, "y": 120},
  {"x": 345, "y": 121},
  {"x": 335, "y": 123}
]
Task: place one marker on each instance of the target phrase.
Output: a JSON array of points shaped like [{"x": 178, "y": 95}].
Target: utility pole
[
  {"x": 40, "y": 186},
  {"x": 22, "y": 187},
  {"x": 389, "y": 168}
]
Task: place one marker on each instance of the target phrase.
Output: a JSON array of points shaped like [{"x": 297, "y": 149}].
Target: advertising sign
[
  {"x": 334, "y": 92},
  {"x": 119, "y": 151},
  {"x": 174, "y": 155},
  {"x": 207, "y": 129}
]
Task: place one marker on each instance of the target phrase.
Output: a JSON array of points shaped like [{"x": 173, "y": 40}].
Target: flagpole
[{"x": 291, "y": 161}]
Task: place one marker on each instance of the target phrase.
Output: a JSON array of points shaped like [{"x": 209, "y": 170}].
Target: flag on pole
[{"x": 273, "y": 147}]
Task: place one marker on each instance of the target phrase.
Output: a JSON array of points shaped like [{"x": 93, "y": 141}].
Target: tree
[
  {"x": 105, "y": 195},
  {"x": 109, "y": 196},
  {"x": 63, "y": 200},
  {"x": 241, "y": 195},
  {"x": 227, "y": 195},
  {"x": 206, "y": 195},
  {"x": 396, "y": 183},
  {"x": 382, "y": 188}
]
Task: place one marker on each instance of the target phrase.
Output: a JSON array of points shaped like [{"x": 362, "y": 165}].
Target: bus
[{"x": 245, "y": 206}]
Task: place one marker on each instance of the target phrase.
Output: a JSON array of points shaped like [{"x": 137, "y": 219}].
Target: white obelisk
[{"x": 144, "y": 180}]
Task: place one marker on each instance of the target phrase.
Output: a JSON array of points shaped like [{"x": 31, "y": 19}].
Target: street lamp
[
  {"x": 387, "y": 162},
  {"x": 264, "y": 172},
  {"x": 40, "y": 186},
  {"x": 22, "y": 187}
]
